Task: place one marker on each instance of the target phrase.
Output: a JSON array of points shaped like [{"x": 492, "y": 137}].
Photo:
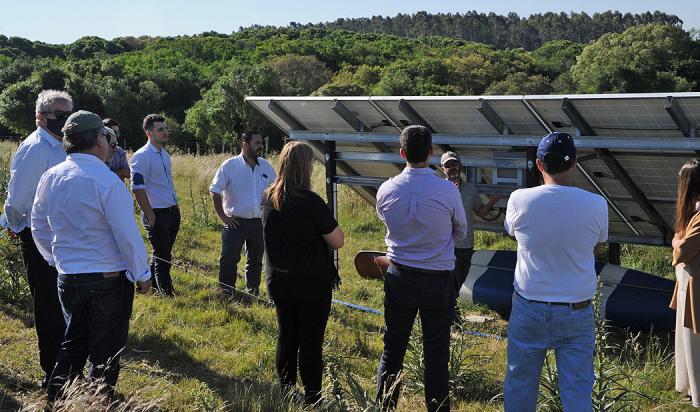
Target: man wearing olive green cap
[{"x": 94, "y": 243}]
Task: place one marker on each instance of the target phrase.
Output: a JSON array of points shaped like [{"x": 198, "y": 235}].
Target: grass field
[{"x": 196, "y": 352}]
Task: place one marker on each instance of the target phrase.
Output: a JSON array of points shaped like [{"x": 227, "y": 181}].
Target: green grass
[{"x": 195, "y": 352}]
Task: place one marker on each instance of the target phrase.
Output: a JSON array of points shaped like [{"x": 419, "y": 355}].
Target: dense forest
[
  {"x": 199, "y": 82},
  {"x": 502, "y": 32}
]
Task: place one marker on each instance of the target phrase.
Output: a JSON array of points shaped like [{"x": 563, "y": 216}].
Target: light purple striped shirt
[{"x": 423, "y": 215}]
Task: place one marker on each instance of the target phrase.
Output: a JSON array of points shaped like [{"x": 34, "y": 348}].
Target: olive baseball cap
[
  {"x": 447, "y": 156},
  {"x": 81, "y": 121}
]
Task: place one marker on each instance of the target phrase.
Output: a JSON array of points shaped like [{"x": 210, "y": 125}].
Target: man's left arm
[
  {"x": 485, "y": 208},
  {"x": 119, "y": 212},
  {"x": 459, "y": 217},
  {"x": 123, "y": 170}
]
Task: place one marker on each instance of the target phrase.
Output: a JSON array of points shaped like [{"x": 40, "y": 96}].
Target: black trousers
[
  {"x": 48, "y": 317},
  {"x": 462, "y": 266},
  {"x": 408, "y": 293},
  {"x": 97, "y": 311},
  {"x": 302, "y": 325},
  {"x": 162, "y": 237}
]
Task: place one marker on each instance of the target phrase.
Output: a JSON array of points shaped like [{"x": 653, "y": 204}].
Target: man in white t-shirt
[{"x": 557, "y": 227}]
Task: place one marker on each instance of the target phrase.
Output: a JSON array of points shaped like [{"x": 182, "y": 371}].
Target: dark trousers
[
  {"x": 97, "y": 311},
  {"x": 462, "y": 266},
  {"x": 162, "y": 237},
  {"x": 408, "y": 293},
  {"x": 302, "y": 325},
  {"x": 48, "y": 318},
  {"x": 250, "y": 233}
]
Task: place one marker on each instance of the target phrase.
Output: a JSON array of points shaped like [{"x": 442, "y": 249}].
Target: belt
[
  {"x": 419, "y": 270},
  {"x": 578, "y": 305},
  {"x": 168, "y": 209}
]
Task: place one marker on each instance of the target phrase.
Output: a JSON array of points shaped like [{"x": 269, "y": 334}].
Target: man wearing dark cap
[
  {"x": 83, "y": 225},
  {"x": 557, "y": 227},
  {"x": 38, "y": 152},
  {"x": 464, "y": 248},
  {"x": 423, "y": 215}
]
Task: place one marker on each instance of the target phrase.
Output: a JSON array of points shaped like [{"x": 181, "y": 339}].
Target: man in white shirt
[
  {"x": 237, "y": 192},
  {"x": 83, "y": 225},
  {"x": 37, "y": 153},
  {"x": 154, "y": 190},
  {"x": 557, "y": 227}
]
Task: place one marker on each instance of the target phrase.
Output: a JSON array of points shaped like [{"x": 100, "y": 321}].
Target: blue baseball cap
[{"x": 556, "y": 147}]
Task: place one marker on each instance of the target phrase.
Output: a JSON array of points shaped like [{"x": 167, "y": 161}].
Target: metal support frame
[
  {"x": 492, "y": 117},
  {"x": 331, "y": 187},
  {"x": 349, "y": 117},
  {"x": 654, "y": 146},
  {"x": 479, "y": 161},
  {"x": 286, "y": 117},
  {"x": 413, "y": 116},
  {"x": 679, "y": 118},
  {"x": 619, "y": 172},
  {"x": 614, "y": 252}
]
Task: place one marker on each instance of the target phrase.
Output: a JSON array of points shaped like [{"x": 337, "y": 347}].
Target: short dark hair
[
  {"x": 81, "y": 141},
  {"x": 109, "y": 122},
  {"x": 416, "y": 142},
  {"x": 554, "y": 163},
  {"x": 150, "y": 119},
  {"x": 248, "y": 135}
]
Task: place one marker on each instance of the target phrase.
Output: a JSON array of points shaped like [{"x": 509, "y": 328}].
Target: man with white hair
[{"x": 40, "y": 151}]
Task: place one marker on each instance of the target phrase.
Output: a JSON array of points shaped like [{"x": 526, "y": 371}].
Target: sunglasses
[{"x": 59, "y": 114}]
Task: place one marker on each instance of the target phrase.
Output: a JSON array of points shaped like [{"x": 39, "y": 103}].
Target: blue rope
[{"x": 380, "y": 313}]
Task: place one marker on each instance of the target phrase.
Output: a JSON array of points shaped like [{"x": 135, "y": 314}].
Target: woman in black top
[{"x": 300, "y": 233}]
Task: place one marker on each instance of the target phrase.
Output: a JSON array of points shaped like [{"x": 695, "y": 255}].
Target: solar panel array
[{"x": 631, "y": 146}]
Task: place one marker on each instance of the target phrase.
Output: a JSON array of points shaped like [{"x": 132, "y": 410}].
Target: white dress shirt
[
  {"x": 38, "y": 152},
  {"x": 83, "y": 220},
  {"x": 152, "y": 170},
  {"x": 242, "y": 186}
]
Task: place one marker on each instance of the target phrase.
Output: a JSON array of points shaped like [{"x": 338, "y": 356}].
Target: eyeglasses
[{"x": 59, "y": 114}]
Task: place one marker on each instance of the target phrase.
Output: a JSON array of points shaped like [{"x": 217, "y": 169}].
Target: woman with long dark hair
[
  {"x": 686, "y": 296},
  {"x": 300, "y": 234}
]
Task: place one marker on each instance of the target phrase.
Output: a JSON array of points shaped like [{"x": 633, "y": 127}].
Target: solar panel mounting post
[
  {"x": 614, "y": 253},
  {"x": 331, "y": 186}
]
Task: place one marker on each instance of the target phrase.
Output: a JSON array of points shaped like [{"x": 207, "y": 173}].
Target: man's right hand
[
  {"x": 144, "y": 287},
  {"x": 150, "y": 218},
  {"x": 230, "y": 221}
]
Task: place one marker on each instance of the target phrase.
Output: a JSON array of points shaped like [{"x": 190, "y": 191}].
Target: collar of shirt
[
  {"x": 85, "y": 157},
  {"x": 48, "y": 138},
  {"x": 418, "y": 170},
  {"x": 153, "y": 148},
  {"x": 242, "y": 159}
]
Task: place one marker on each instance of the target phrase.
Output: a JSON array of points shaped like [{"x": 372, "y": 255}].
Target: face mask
[{"x": 55, "y": 125}]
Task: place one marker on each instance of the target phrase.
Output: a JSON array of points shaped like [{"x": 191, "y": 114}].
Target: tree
[
  {"x": 300, "y": 75},
  {"x": 641, "y": 59},
  {"x": 521, "y": 83},
  {"x": 222, "y": 114}
]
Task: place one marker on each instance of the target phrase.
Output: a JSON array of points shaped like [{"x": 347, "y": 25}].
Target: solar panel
[{"x": 631, "y": 146}]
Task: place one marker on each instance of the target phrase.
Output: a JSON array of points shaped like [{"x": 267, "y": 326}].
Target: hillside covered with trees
[{"x": 200, "y": 81}]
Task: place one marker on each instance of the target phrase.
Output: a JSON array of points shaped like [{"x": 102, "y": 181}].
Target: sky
[{"x": 65, "y": 21}]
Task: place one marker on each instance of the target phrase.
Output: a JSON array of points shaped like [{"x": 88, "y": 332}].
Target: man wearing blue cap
[{"x": 557, "y": 227}]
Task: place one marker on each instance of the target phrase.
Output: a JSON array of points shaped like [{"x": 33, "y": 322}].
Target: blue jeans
[
  {"x": 532, "y": 330},
  {"x": 97, "y": 311}
]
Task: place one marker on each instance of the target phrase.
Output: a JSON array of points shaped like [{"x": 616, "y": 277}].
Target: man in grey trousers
[{"x": 237, "y": 192}]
